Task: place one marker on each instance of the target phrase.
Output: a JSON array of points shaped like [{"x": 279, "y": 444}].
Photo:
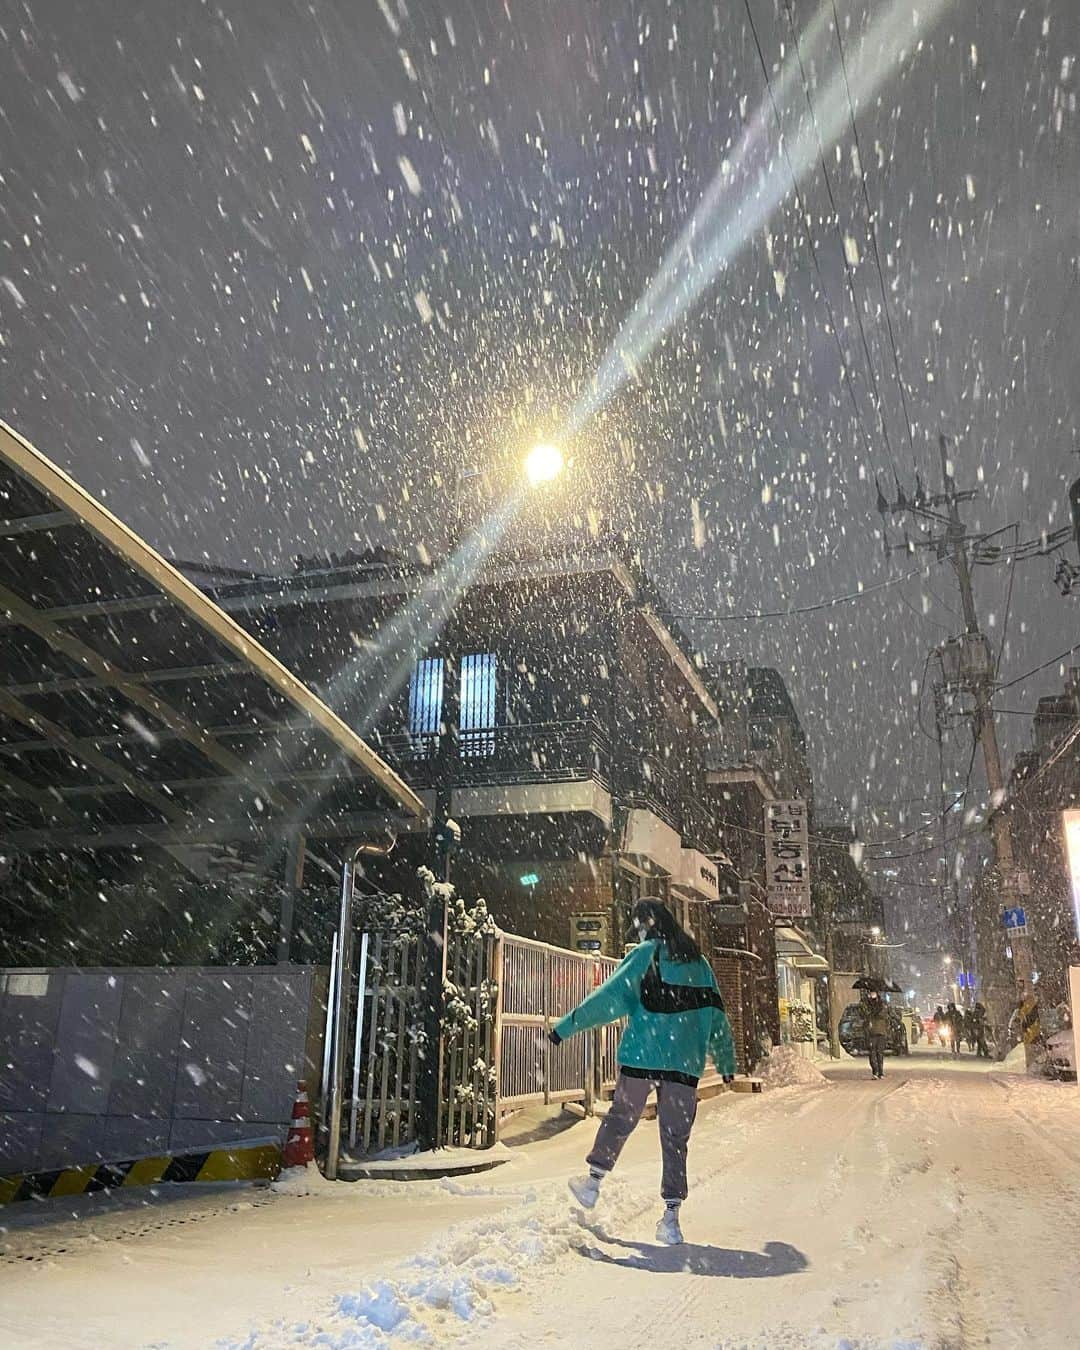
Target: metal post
[
  {"x": 361, "y": 982},
  {"x": 432, "y": 977},
  {"x": 496, "y": 1040},
  {"x": 294, "y": 879},
  {"x": 429, "y": 1069},
  {"x": 331, "y": 1001},
  {"x": 830, "y": 956},
  {"x": 592, "y": 1059},
  {"x": 339, "y": 1018},
  {"x": 546, "y": 1047}
]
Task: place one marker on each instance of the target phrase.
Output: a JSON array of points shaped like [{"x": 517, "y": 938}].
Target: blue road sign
[{"x": 1014, "y": 918}]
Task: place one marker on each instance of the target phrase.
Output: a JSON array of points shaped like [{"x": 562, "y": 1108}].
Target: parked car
[
  {"x": 1060, "y": 1046},
  {"x": 853, "y": 1031}
]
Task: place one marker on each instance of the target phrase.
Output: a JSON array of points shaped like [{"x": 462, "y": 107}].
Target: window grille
[
  {"x": 477, "y": 721},
  {"x": 425, "y": 703}
]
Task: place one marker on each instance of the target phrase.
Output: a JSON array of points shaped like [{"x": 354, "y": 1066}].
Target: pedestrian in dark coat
[
  {"x": 877, "y": 1032},
  {"x": 980, "y": 1019},
  {"x": 955, "y": 1019}
]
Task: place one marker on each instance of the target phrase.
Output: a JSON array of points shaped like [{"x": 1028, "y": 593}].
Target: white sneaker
[
  {"x": 668, "y": 1231},
  {"x": 585, "y": 1190}
]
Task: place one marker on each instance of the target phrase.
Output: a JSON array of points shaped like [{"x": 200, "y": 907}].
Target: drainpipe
[{"x": 338, "y": 1012}]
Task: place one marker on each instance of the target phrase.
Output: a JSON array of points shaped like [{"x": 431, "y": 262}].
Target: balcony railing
[
  {"x": 551, "y": 752},
  {"x": 659, "y": 789},
  {"x": 534, "y": 752}
]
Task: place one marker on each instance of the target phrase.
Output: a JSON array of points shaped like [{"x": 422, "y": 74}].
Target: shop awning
[
  {"x": 122, "y": 723},
  {"x": 795, "y": 947}
]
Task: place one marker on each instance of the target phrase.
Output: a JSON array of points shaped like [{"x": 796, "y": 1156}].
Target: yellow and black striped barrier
[{"x": 255, "y": 1160}]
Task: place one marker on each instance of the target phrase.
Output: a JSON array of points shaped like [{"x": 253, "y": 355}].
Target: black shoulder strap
[{"x": 657, "y": 996}]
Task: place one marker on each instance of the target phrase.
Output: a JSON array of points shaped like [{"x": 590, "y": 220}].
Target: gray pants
[{"x": 676, "y": 1109}]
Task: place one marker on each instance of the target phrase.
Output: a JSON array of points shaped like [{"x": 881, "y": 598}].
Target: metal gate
[
  {"x": 386, "y": 1029},
  {"x": 382, "y": 1103},
  {"x": 500, "y": 996}
]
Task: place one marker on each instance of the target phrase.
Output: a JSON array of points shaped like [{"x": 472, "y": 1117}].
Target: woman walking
[{"x": 667, "y": 991}]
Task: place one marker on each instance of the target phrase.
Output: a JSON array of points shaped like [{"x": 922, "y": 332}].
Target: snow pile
[
  {"x": 1015, "y": 1061},
  {"x": 303, "y": 1181},
  {"x": 785, "y": 1067},
  {"x": 378, "y": 1309},
  {"x": 454, "y": 1283}
]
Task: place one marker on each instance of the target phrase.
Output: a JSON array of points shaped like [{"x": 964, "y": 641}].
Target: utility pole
[
  {"x": 985, "y": 730},
  {"x": 828, "y": 910},
  {"x": 972, "y": 673}
]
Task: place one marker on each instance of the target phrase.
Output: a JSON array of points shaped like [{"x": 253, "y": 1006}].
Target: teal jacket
[{"x": 666, "y": 1042}]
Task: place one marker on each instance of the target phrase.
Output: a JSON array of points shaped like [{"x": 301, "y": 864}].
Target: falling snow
[{"x": 293, "y": 290}]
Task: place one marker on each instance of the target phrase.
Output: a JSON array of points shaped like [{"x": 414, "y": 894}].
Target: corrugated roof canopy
[{"x": 164, "y": 724}]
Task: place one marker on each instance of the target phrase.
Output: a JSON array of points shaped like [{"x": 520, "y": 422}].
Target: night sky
[{"x": 271, "y": 274}]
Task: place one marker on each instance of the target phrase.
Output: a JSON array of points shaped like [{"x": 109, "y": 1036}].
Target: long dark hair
[{"x": 680, "y": 945}]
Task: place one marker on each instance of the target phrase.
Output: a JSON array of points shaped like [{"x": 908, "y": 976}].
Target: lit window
[
  {"x": 477, "y": 722},
  {"x": 425, "y": 702}
]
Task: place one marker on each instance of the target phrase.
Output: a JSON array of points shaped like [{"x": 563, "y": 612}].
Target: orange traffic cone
[{"x": 299, "y": 1145}]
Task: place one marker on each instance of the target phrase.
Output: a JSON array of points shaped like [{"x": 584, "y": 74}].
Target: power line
[
  {"x": 873, "y": 234},
  {"x": 1054, "y": 660},
  {"x": 1065, "y": 744},
  {"x": 825, "y": 841},
  {"x": 967, "y": 833},
  {"x": 989, "y": 555},
  {"x": 805, "y": 219},
  {"x": 1034, "y": 712},
  {"x": 799, "y": 609},
  {"x": 848, "y": 270}
]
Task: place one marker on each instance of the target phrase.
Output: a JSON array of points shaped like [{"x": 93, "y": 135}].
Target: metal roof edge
[
  {"x": 63, "y": 489},
  {"x": 680, "y": 660}
]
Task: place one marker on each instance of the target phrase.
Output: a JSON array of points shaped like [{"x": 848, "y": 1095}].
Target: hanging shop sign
[{"x": 787, "y": 859}]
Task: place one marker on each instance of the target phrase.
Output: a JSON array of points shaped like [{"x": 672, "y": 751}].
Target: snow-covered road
[{"x": 938, "y": 1208}]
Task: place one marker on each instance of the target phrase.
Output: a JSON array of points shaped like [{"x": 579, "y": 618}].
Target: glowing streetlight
[{"x": 543, "y": 463}]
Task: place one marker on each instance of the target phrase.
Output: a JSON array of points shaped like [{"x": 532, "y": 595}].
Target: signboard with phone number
[{"x": 787, "y": 859}]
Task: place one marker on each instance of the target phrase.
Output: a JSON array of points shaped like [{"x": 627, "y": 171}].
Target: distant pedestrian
[
  {"x": 877, "y": 1032},
  {"x": 939, "y": 1024},
  {"x": 980, "y": 1019},
  {"x": 955, "y": 1019},
  {"x": 667, "y": 991}
]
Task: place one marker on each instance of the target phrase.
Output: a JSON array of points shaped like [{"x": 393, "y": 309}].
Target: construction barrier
[{"x": 252, "y": 1160}]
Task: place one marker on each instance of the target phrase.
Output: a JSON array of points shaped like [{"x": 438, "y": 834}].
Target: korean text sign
[{"x": 787, "y": 859}]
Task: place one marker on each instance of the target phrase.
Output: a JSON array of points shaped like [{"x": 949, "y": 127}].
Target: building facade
[
  {"x": 1044, "y": 782},
  {"x": 758, "y": 755},
  {"x": 545, "y": 706}
]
